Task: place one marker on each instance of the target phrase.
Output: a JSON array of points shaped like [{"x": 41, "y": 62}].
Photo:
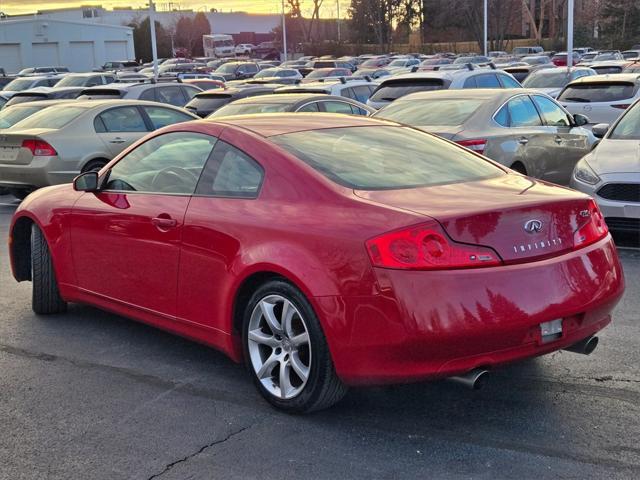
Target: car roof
[
  {"x": 42, "y": 103},
  {"x": 117, "y": 101},
  {"x": 439, "y": 74},
  {"x": 271, "y": 124},
  {"x": 88, "y": 74},
  {"x": 616, "y": 77},
  {"x": 549, "y": 71},
  {"x": 289, "y": 98},
  {"x": 495, "y": 94}
]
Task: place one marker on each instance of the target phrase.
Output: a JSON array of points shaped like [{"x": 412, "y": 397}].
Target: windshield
[
  {"x": 398, "y": 63},
  {"x": 10, "y": 116},
  {"x": 445, "y": 112},
  {"x": 460, "y": 60},
  {"x": 320, "y": 73},
  {"x": 19, "y": 84},
  {"x": 598, "y": 92},
  {"x": 223, "y": 43},
  {"x": 389, "y": 91},
  {"x": 397, "y": 157},
  {"x": 234, "y": 109},
  {"x": 227, "y": 68},
  {"x": 547, "y": 80},
  {"x": 374, "y": 62},
  {"x": 606, "y": 56},
  {"x": 73, "y": 81},
  {"x": 52, "y": 117},
  {"x": 266, "y": 73},
  {"x": 629, "y": 126}
]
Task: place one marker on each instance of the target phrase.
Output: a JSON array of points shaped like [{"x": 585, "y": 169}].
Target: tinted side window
[
  {"x": 337, "y": 107},
  {"x": 470, "y": 83},
  {"x": 348, "y": 92},
  {"x": 231, "y": 173},
  {"x": 190, "y": 92},
  {"x": 508, "y": 82},
  {"x": 487, "y": 81},
  {"x": 122, "y": 119},
  {"x": 362, "y": 93},
  {"x": 171, "y": 95},
  {"x": 523, "y": 113},
  {"x": 170, "y": 163},
  {"x": 502, "y": 117},
  {"x": 552, "y": 113},
  {"x": 149, "y": 95},
  {"x": 311, "y": 107},
  {"x": 161, "y": 117}
]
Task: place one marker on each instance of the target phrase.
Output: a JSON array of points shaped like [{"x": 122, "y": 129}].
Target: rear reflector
[
  {"x": 477, "y": 145},
  {"x": 427, "y": 247},
  {"x": 39, "y": 148},
  {"x": 592, "y": 229},
  {"x": 622, "y": 106}
]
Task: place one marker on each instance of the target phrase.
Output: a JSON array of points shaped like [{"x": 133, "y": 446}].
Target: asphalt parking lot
[{"x": 92, "y": 395}]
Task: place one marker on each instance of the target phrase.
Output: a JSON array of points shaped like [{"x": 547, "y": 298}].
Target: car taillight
[
  {"x": 39, "y": 148},
  {"x": 427, "y": 247},
  {"x": 593, "y": 229},
  {"x": 477, "y": 145},
  {"x": 622, "y": 106}
]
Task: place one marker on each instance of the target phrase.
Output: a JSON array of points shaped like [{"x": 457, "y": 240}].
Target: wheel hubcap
[{"x": 279, "y": 347}]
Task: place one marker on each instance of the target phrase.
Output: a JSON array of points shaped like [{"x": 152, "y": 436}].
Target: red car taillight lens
[
  {"x": 622, "y": 106},
  {"x": 477, "y": 145},
  {"x": 427, "y": 247},
  {"x": 39, "y": 148},
  {"x": 594, "y": 228}
]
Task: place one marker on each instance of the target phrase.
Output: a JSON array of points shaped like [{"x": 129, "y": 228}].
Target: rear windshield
[
  {"x": 234, "y": 109},
  {"x": 390, "y": 91},
  {"x": 629, "y": 126},
  {"x": 19, "y": 84},
  {"x": 52, "y": 117},
  {"x": 420, "y": 113},
  {"x": 26, "y": 98},
  {"x": 209, "y": 102},
  {"x": 598, "y": 92},
  {"x": 396, "y": 157},
  {"x": 605, "y": 70},
  {"x": 547, "y": 80},
  {"x": 11, "y": 116},
  {"x": 324, "y": 64}
]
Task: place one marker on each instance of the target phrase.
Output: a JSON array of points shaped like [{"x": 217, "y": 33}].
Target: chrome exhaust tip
[
  {"x": 585, "y": 346},
  {"x": 474, "y": 379}
]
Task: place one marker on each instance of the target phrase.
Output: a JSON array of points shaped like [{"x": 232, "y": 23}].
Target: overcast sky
[{"x": 255, "y": 6}]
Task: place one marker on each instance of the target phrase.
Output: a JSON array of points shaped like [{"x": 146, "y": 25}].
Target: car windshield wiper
[{"x": 578, "y": 99}]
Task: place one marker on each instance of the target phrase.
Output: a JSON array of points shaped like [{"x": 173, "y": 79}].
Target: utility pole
[
  {"x": 569, "y": 34},
  {"x": 486, "y": 12},
  {"x": 284, "y": 32},
  {"x": 338, "y": 7},
  {"x": 154, "y": 47}
]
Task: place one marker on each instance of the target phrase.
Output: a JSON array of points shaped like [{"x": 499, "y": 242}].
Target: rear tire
[
  {"x": 519, "y": 167},
  {"x": 45, "y": 297},
  {"x": 284, "y": 351}
]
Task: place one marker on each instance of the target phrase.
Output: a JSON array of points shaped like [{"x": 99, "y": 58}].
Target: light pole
[
  {"x": 569, "y": 34},
  {"x": 284, "y": 33},
  {"x": 338, "y": 8},
  {"x": 154, "y": 47},
  {"x": 486, "y": 51}
]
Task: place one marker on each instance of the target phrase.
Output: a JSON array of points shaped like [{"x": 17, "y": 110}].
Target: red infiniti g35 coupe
[{"x": 325, "y": 251}]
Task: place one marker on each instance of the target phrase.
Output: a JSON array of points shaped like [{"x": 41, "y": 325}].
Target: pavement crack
[{"x": 186, "y": 458}]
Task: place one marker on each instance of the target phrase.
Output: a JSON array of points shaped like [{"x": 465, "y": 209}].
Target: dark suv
[
  {"x": 207, "y": 102},
  {"x": 237, "y": 70}
]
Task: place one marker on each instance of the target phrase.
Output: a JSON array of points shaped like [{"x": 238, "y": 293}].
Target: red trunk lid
[{"x": 520, "y": 218}]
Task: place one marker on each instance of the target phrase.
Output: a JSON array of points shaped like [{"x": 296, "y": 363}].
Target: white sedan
[{"x": 244, "y": 49}]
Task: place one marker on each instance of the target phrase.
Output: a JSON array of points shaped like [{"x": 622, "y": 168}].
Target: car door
[
  {"x": 119, "y": 127},
  {"x": 126, "y": 237},
  {"x": 229, "y": 186},
  {"x": 521, "y": 142},
  {"x": 571, "y": 143}
]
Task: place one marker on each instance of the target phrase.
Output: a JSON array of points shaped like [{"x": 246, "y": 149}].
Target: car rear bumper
[
  {"x": 427, "y": 325},
  {"x": 41, "y": 172}
]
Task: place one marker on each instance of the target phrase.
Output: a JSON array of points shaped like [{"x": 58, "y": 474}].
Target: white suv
[
  {"x": 398, "y": 86},
  {"x": 355, "y": 88}
]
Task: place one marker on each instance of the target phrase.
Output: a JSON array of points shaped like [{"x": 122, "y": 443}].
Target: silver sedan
[
  {"x": 523, "y": 129},
  {"x": 611, "y": 173}
]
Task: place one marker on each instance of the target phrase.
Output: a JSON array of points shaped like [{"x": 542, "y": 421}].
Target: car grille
[
  {"x": 622, "y": 192},
  {"x": 621, "y": 224}
]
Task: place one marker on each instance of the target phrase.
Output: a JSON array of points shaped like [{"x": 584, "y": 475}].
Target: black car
[
  {"x": 209, "y": 101},
  {"x": 237, "y": 70},
  {"x": 293, "y": 102},
  {"x": 44, "y": 93}
]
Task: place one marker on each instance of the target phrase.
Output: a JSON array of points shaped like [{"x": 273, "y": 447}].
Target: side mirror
[
  {"x": 86, "y": 182},
  {"x": 581, "y": 120},
  {"x": 600, "y": 130}
]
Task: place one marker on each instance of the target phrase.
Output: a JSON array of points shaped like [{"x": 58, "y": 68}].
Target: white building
[
  {"x": 80, "y": 46},
  {"x": 230, "y": 23}
]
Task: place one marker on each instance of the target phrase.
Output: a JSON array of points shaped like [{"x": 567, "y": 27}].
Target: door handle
[
  {"x": 523, "y": 140},
  {"x": 164, "y": 223},
  {"x": 558, "y": 139},
  {"x": 117, "y": 140}
]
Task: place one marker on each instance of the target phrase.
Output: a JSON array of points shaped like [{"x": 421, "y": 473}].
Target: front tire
[
  {"x": 286, "y": 350},
  {"x": 45, "y": 297}
]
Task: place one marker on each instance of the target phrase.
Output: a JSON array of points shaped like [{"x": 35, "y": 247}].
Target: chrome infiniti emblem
[{"x": 533, "y": 226}]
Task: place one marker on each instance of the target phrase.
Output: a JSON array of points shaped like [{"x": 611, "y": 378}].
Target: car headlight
[{"x": 585, "y": 173}]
